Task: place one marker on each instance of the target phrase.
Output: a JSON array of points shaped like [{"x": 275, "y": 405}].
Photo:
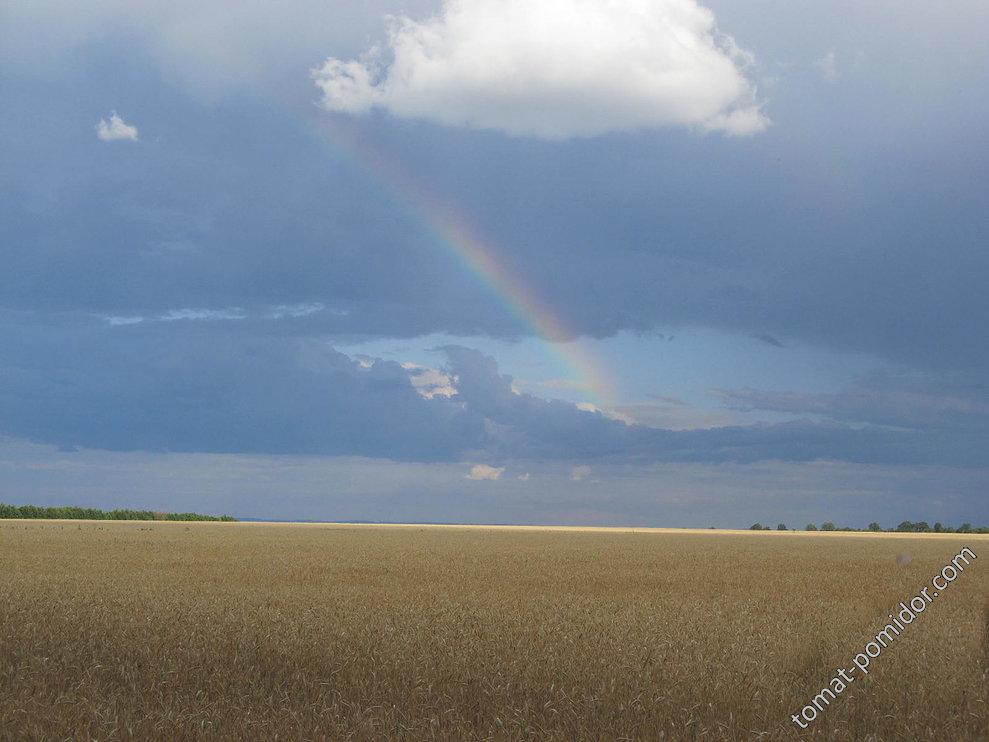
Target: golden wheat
[{"x": 245, "y": 631}]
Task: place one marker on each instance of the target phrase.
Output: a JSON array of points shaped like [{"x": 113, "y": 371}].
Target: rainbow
[{"x": 476, "y": 257}]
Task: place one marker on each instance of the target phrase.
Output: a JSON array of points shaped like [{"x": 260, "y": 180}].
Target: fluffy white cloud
[
  {"x": 483, "y": 471},
  {"x": 580, "y": 473},
  {"x": 555, "y": 69},
  {"x": 115, "y": 129},
  {"x": 430, "y": 382}
]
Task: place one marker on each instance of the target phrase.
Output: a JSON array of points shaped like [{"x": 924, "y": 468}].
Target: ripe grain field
[{"x": 250, "y": 631}]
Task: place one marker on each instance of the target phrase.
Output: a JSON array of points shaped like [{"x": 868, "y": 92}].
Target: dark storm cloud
[
  {"x": 842, "y": 226},
  {"x": 235, "y": 202},
  {"x": 228, "y": 203},
  {"x": 956, "y": 402},
  {"x": 522, "y": 425},
  {"x": 211, "y": 386}
]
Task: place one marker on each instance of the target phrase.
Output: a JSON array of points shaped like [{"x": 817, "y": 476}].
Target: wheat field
[{"x": 264, "y": 631}]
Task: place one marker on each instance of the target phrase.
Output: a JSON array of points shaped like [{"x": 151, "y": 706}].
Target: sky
[{"x": 635, "y": 262}]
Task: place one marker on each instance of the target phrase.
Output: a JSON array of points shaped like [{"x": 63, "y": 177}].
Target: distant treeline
[
  {"x": 74, "y": 513},
  {"x": 906, "y": 526}
]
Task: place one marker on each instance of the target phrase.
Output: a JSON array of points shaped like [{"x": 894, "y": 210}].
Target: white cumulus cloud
[
  {"x": 430, "y": 382},
  {"x": 554, "y": 69},
  {"x": 115, "y": 129},
  {"x": 483, "y": 471}
]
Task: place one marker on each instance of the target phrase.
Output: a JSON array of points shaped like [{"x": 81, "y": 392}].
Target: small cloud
[
  {"x": 580, "y": 473},
  {"x": 524, "y": 477},
  {"x": 295, "y": 310},
  {"x": 430, "y": 382},
  {"x": 115, "y": 129},
  {"x": 114, "y": 321},
  {"x": 480, "y": 472},
  {"x": 200, "y": 314},
  {"x": 177, "y": 315},
  {"x": 827, "y": 66}
]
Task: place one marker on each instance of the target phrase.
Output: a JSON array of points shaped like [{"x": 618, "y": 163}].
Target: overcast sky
[{"x": 626, "y": 262}]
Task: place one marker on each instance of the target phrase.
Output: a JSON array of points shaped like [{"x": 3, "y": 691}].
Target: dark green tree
[{"x": 77, "y": 513}]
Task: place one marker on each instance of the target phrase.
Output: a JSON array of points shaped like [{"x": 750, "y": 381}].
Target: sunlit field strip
[{"x": 326, "y": 631}]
